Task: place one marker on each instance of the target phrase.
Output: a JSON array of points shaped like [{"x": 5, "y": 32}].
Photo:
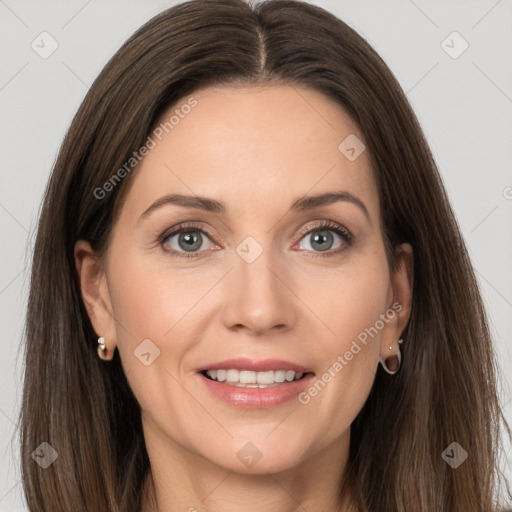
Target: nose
[{"x": 259, "y": 296}]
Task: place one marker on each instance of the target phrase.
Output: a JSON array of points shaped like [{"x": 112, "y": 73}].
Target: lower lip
[{"x": 256, "y": 398}]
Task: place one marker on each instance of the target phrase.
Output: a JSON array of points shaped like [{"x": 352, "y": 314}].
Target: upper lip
[{"x": 261, "y": 365}]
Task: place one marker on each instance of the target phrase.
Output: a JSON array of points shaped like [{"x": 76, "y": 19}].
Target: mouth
[
  {"x": 249, "y": 383},
  {"x": 253, "y": 379},
  {"x": 253, "y": 373}
]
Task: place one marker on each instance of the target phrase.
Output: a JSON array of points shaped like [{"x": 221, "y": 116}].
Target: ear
[
  {"x": 401, "y": 285},
  {"x": 95, "y": 292}
]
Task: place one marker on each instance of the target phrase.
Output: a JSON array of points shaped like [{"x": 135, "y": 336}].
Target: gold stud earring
[{"x": 103, "y": 351}]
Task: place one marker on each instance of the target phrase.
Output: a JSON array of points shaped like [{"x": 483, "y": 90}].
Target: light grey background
[{"x": 464, "y": 105}]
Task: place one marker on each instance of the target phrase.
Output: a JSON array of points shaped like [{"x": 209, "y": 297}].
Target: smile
[{"x": 252, "y": 379}]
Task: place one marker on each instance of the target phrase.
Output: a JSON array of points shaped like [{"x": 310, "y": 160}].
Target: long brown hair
[{"x": 446, "y": 389}]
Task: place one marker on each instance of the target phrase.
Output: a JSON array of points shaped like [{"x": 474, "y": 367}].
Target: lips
[
  {"x": 255, "y": 397},
  {"x": 262, "y": 365},
  {"x": 258, "y": 395}
]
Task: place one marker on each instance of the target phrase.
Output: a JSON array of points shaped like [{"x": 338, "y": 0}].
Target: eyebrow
[{"x": 211, "y": 205}]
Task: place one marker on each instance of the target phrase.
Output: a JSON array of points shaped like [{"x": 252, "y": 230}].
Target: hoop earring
[
  {"x": 103, "y": 351},
  {"x": 397, "y": 361}
]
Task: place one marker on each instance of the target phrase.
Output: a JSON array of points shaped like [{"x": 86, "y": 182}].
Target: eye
[
  {"x": 189, "y": 241},
  {"x": 322, "y": 239}
]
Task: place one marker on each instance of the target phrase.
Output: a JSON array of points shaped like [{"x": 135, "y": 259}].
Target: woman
[{"x": 243, "y": 221}]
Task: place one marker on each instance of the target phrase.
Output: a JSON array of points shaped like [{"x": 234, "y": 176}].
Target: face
[{"x": 294, "y": 288}]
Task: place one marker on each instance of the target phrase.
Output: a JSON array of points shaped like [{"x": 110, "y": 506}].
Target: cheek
[
  {"x": 352, "y": 309},
  {"x": 354, "y": 298},
  {"x": 149, "y": 311},
  {"x": 149, "y": 299}
]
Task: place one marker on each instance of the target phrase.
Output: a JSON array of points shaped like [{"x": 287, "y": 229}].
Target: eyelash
[{"x": 191, "y": 227}]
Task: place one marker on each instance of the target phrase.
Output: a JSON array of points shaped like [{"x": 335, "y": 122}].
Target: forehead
[{"x": 250, "y": 146}]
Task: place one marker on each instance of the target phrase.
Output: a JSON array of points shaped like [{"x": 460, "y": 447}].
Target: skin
[{"x": 257, "y": 149}]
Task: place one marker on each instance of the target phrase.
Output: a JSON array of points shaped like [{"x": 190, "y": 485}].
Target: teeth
[
  {"x": 232, "y": 376},
  {"x": 250, "y": 379},
  {"x": 247, "y": 377},
  {"x": 280, "y": 376}
]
